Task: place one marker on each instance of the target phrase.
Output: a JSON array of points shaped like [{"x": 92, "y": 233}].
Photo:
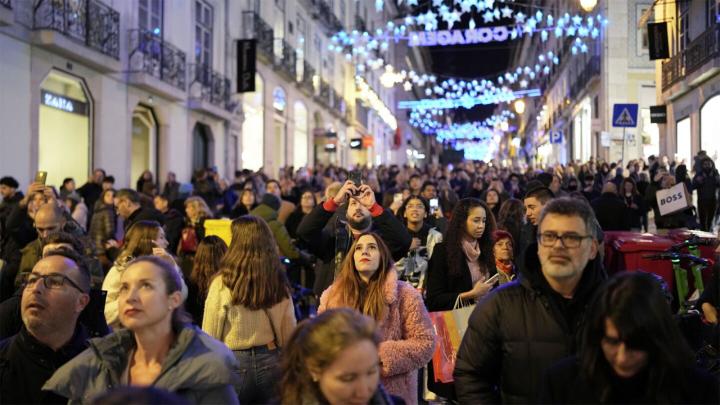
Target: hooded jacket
[
  {"x": 406, "y": 333},
  {"x": 707, "y": 182},
  {"x": 197, "y": 367},
  {"x": 517, "y": 332},
  {"x": 282, "y": 237}
]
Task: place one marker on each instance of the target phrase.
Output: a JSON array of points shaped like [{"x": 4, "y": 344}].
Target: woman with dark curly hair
[
  {"x": 631, "y": 352},
  {"x": 464, "y": 260}
]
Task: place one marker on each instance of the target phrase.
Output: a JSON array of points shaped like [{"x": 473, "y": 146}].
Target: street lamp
[
  {"x": 588, "y": 5},
  {"x": 519, "y": 106}
]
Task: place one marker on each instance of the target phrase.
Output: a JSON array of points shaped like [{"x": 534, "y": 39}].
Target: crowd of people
[{"x": 120, "y": 294}]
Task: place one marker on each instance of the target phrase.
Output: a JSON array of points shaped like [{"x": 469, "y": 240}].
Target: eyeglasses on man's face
[
  {"x": 53, "y": 281},
  {"x": 568, "y": 240}
]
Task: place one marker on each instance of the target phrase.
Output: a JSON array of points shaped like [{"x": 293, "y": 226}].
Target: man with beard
[
  {"x": 54, "y": 295},
  {"x": 519, "y": 330},
  {"x": 329, "y": 234}
]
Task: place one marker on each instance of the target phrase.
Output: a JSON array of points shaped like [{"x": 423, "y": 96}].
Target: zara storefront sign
[
  {"x": 63, "y": 103},
  {"x": 459, "y": 37}
]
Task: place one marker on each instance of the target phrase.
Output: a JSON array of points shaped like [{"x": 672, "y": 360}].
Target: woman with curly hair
[
  {"x": 368, "y": 283},
  {"x": 460, "y": 264}
]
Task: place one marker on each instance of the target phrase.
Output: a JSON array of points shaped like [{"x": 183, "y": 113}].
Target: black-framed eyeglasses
[
  {"x": 568, "y": 240},
  {"x": 51, "y": 281}
]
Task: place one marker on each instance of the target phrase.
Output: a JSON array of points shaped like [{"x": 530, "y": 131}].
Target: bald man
[
  {"x": 54, "y": 294},
  {"x": 610, "y": 209},
  {"x": 49, "y": 218}
]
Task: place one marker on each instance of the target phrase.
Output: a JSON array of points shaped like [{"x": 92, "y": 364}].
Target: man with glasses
[
  {"x": 54, "y": 294},
  {"x": 128, "y": 206},
  {"x": 524, "y": 327}
]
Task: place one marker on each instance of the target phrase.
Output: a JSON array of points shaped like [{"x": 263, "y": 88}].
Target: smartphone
[
  {"x": 434, "y": 204},
  {"x": 397, "y": 198},
  {"x": 492, "y": 279},
  {"x": 356, "y": 177},
  {"x": 41, "y": 177}
]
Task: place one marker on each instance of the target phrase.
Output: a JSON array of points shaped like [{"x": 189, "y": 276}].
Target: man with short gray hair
[
  {"x": 522, "y": 328},
  {"x": 54, "y": 294}
]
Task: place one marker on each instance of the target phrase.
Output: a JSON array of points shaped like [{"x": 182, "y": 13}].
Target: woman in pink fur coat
[{"x": 368, "y": 283}]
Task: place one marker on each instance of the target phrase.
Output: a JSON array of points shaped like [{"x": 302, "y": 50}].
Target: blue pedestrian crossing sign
[{"x": 625, "y": 115}]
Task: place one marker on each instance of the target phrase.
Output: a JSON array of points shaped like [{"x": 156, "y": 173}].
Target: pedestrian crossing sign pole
[{"x": 624, "y": 116}]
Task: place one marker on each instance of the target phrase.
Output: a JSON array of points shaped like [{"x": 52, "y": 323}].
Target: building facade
[
  {"x": 135, "y": 85},
  {"x": 690, "y": 79},
  {"x": 573, "y": 118}
]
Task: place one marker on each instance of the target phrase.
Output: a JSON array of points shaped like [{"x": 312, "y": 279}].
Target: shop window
[
  {"x": 709, "y": 124},
  {"x": 143, "y": 143},
  {"x": 64, "y": 137},
  {"x": 300, "y": 138},
  {"x": 253, "y": 127},
  {"x": 684, "y": 140}
]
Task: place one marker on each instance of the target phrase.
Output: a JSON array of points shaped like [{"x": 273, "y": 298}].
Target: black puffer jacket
[
  {"x": 517, "y": 332},
  {"x": 326, "y": 234}
]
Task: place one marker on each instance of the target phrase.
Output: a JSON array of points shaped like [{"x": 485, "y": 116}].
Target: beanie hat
[{"x": 271, "y": 201}]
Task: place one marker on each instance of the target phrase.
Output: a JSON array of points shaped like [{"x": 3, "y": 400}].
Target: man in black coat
[
  {"x": 128, "y": 205},
  {"x": 90, "y": 191},
  {"x": 522, "y": 328},
  {"x": 535, "y": 199},
  {"x": 53, "y": 298},
  {"x": 610, "y": 211},
  {"x": 331, "y": 240}
]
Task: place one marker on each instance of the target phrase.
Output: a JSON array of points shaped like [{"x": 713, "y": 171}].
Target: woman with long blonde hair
[
  {"x": 249, "y": 307},
  {"x": 368, "y": 283}
]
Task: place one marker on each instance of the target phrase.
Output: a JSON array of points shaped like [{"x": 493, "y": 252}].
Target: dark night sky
[{"x": 477, "y": 61}]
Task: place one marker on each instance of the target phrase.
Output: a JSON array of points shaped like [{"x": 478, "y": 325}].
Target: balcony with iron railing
[
  {"x": 256, "y": 27},
  {"x": 306, "y": 79},
  {"x": 209, "y": 90},
  {"x": 152, "y": 56},
  {"x": 285, "y": 58},
  {"x": 6, "y": 12},
  {"x": 90, "y": 23},
  {"x": 698, "y": 53},
  {"x": 321, "y": 11},
  {"x": 360, "y": 24},
  {"x": 590, "y": 70}
]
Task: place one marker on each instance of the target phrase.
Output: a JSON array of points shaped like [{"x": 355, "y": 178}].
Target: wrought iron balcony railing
[
  {"x": 88, "y": 21},
  {"x": 285, "y": 57},
  {"x": 307, "y": 78},
  {"x": 214, "y": 87},
  {"x": 673, "y": 70},
  {"x": 698, "y": 52},
  {"x": 590, "y": 70},
  {"x": 152, "y": 55},
  {"x": 324, "y": 14},
  {"x": 6, "y": 3},
  {"x": 257, "y": 28},
  {"x": 360, "y": 24}
]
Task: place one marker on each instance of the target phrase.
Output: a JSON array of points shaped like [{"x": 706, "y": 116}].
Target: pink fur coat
[{"x": 407, "y": 336}]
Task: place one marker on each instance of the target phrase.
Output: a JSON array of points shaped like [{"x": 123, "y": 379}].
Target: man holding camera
[{"x": 330, "y": 240}]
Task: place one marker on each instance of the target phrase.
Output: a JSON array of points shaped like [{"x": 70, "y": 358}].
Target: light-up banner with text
[
  {"x": 63, "y": 103},
  {"x": 459, "y": 37}
]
